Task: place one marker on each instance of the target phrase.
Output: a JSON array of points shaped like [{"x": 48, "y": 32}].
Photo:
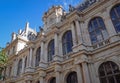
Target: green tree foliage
[{"x": 3, "y": 61}]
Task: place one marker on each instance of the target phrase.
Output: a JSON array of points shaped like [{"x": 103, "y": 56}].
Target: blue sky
[{"x": 15, "y": 13}]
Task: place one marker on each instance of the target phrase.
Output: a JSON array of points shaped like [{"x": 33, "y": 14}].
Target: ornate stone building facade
[{"x": 82, "y": 46}]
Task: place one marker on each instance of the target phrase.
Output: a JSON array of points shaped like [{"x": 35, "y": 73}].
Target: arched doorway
[
  {"x": 53, "y": 80},
  {"x": 72, "y": 78}
]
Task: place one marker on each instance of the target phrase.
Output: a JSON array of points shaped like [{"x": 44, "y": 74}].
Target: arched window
[
  {"x": 97, "y": 30},
  {"x": 19, "y": 67},
  {"x": 109, "y": 73},
  {"x": 67, "y": 42},
  {"x": 72, "y": 78},
  {"x": 37, "y": 57},
  {"x": 51, "y": 50},
  {"x": 53, "y": 80},
  {"x": 115, "y": 16}
]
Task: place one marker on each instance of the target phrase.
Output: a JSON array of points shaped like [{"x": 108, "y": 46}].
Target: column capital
[
  {"x": 56, "y": 30},
  {"x": 58, "y": 68},
  {"x": 42, "y": 73},
  {"x": 82, "y": 59},
  {"x": 42, "y": 39}
]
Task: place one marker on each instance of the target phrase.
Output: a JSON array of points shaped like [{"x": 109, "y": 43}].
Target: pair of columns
[
  {"x": 76, "y": 33},
  {"x": 83, "y": 73},
  {"x": 83, "y": 69}
]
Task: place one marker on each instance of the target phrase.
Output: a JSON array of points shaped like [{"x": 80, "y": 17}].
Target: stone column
[
  {"x": 42, "y": 62},
  {"x": 58, "y": 75},
  {"x": 110, "y": 27},
  {"x": 74, "y": 37},
  {"x": 30, "y": 57},
  {"x": 79, "y": 34},
  {"x": 56, "y": 43},
  {"x": 57, "y": 57},
  {"x": 42, "y": 74},
  {"x": 23, "y": 65},
  {"x": 79, "y": 74},
  {"x": 86, "y": 75},
  {"x": 93, "y": 73},
  {"x": 15, "y": 67},
  {"x": 42, "y": 52},
  {"x": 41, "y": 79}
]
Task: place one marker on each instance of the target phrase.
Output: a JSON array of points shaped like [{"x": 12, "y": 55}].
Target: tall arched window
[
  {"x": 19, "y": 67},
  {"x": 51, "y": 50},
  {"x": 97, "y": 30},
  {"x": 109, "y": 73},
  {"x": 67, "y": 42},
  {"x": 115, "y": 16},
  {"x": 53, "y": 80},
  {"x": 37, "y": 56},
  {"x": 72, "y": 78}
]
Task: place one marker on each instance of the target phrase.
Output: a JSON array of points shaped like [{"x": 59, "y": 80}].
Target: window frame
[
  {"x": 67, "y": 42},
  {"x": 108, "y": 71},
  {"x": 96, "y": 27},
  {"x": 51, "y": 50},
  {"x": 115, "y": 11}
]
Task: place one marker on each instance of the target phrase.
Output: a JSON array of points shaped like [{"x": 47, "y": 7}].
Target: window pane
[
  {"x": 103, "y": 80},
  {"x": 118, "y": 10},
  {"x": 115, "y": 68},
  {"x": 51, "y": 50},
  {"x": 113, "y": 15},
  {"x": 118, "y": 78},
  {"x": 111, "y": 79},
  {"x": 93, "y": 37},
  {"x": 95, "y": 23},
  {"x": 101, "y": 23},
  {"x": 117, "y": 27},
  {"x": 90, "y": 28},
  {"x": 67, "y": 42},
  {"x": 108, "y": 69},
  {"x": 99, "y": 36},
  {"x": 101, "y": 71},
  {"x": 105, "y": 34}
]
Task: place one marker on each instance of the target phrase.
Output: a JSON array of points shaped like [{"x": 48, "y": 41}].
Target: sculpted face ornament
[{"x": 31, "y": 36}]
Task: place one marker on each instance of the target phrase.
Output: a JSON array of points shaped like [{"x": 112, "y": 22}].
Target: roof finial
[{"x": 27, "y": 24}]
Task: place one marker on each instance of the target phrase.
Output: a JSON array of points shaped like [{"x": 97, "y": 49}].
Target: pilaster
[
  {"x": 81, "y": 45},
  {"x": 86, "y": 75},
  {"x": 74, "y": 36},
  {"x": 23, "y": 65},
  {"x": 42, "y": 62},
  {"x": 79, "y": 73},
  {"x": 42, "y": 74},
  {"x": 29, "y": 67},
  {"x": 58, "y": 73},
  {"x": 57, "y": 56}
]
